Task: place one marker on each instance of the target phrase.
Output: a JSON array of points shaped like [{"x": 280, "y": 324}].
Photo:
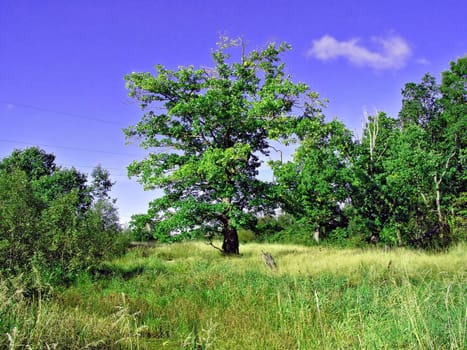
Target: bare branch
[
  {"x": 446, "y": 166},
  {"x": 212, "y": 245}
]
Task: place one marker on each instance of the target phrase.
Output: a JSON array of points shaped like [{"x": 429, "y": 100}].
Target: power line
[
  {"x": 89, "y": 166},
  {"x": 94, "y": 166},
  {"x": 71, "y": 148},
  {"x": 72, "y": 115}
]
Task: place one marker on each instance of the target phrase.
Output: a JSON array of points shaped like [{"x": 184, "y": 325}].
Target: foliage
[
  {"x": 20, "y": 223},
  {"x": 368, "y": 196},
  {"x": 410, "y": 171},
  {"x": 51, "y": 228},
  {"x": 245, "y": 236},
  {"x": 401, "y": 183},
  {"x": 140, "y": 227},
  {"x": 458, "y": 218},
  {"x": 34, "y": 161},
  {"x": 315, "y": 185},
  {"x": 205, "y": 130},
  {"x": 284, "y": 228},
  {"x": 436, "y": 136},
  {"x": 103, "y": 205}
]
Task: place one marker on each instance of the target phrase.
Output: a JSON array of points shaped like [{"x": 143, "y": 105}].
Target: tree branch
[
  {"x": 446, "y": 168},
  {"x": 212, "y": 245}
]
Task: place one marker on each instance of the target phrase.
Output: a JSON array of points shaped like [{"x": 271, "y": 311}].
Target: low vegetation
[{"x": 188, "y": 296}]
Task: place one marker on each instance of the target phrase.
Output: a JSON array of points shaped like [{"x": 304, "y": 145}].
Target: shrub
[
  {"x": 49, "y": 239},
  {"x": 140, "y": 228},
  {"x": 245, "y": 236}
]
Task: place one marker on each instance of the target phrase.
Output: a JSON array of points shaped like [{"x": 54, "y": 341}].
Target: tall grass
[{"x": 189, "y": 296}]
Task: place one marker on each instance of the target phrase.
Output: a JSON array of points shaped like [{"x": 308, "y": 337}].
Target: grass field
[{"x": 188, "y": 296}]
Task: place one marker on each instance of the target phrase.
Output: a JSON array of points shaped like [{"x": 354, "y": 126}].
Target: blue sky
[{"x": 62, "y": 63}]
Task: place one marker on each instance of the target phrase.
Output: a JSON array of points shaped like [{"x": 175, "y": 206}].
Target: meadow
[{"x": 189, "y": 296}]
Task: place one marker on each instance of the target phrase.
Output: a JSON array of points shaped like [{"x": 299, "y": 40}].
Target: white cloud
[
  {"x": 423, "y": 61},
  {"x": 392, "y": 52}
]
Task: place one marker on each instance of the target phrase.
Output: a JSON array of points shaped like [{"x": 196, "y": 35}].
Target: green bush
[
  {"x": 49, "y": 240},
  {"x": 339, "y": 237},
  {"x": 458, "y": 218},
  {"x": 140, "y": 228},
  {"x": 297, "y": 233},
  {"x": 20, "y": 223},
  {"x": 358, "y": 228},
  {"x": 389, "y": 235},
  {"x": 245, "y": 236}
]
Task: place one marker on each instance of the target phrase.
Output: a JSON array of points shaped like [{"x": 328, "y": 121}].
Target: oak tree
[{"x": 206, "y": 131}]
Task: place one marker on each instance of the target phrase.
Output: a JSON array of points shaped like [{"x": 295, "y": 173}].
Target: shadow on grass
[{"x": 109, "y": 272}]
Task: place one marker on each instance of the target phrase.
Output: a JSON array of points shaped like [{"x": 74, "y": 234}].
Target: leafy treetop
[{"x": 205, "y": 130}]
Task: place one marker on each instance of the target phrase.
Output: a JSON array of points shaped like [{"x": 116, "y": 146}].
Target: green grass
[{"x": 188, "y": 296}]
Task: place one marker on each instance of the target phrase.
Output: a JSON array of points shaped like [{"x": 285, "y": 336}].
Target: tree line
[{"x": 207, "y": 131}]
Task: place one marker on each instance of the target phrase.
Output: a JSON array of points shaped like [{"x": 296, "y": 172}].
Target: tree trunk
[
  {"x": 438, "y": 191},
  {"x": 438, "y": 199},
  {"x": 316, "y": 235},
  {"x": 230, "y": 244}
]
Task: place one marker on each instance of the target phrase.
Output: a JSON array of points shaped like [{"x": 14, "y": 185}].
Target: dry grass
[{"x": 189, "y": 296}]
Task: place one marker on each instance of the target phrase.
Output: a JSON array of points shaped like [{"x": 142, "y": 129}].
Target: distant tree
[
  {"x": 205, "y": 130},
  {"x": 101, "y": 185},
  {"x": 20, "y": 216},
  {"x": 369, "y": 181},
  {"x": 48, "y": 180},
  {"x": 409, "y": 172},
  {"x": 405, "y": 169},
  {"x": 50, "y": 229},
  {"x": 34, "y": 161},
  {"x": 421, "y": 103},
  {"x": 454, "y": 101},
  {"x": 440, "y": 140},
  {"x": 141, "y": 227},
  {"x": 63, "y": 181},
  {"x": 315, "y": 186}
]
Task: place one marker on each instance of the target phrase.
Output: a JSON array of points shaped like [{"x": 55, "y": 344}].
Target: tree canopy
[
  {"x": 206, "y": 130},
  {"x": 401, "y": 183},
  {"x": 314, "y": 186}
]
